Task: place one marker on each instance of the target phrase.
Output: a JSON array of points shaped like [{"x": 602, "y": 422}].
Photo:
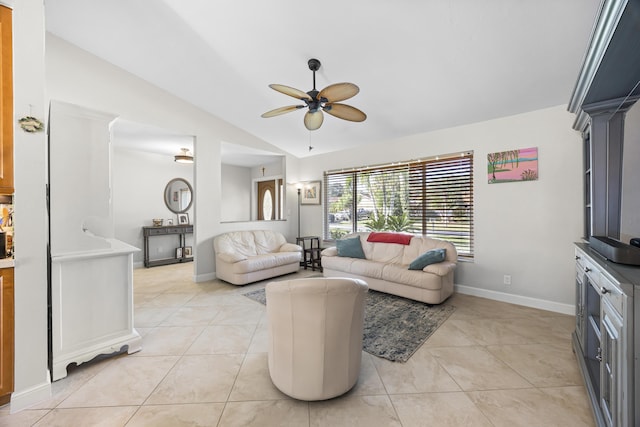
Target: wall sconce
[{"x": 184, "y": 157}]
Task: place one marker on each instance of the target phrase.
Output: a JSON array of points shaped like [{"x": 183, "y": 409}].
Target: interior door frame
[{"x": 278, "y": 198}]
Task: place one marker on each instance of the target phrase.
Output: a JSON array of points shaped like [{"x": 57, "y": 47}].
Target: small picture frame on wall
[
  {"x": 183, "y": 219},
  {"x": 178, "y": 252},
  {"x": 310, "y": 193},
  {"x": 188, "y": 252}
]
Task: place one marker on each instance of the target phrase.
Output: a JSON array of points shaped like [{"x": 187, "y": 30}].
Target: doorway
[{"x": 269, "y": 199}]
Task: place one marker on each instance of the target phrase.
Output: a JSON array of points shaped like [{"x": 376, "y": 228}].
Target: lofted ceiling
[{"x": 420, "y": 65}]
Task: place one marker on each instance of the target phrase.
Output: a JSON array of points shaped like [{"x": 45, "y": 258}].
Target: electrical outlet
[{"x": 507, "y": 279}]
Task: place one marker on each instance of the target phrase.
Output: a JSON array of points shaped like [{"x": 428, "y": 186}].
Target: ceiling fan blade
[
  {"x": 313, "y": 121},
  {"x": 281, "y": 110},
  {"x": 345, "y": 112},
  {"x": 338, "y": 92},
  {"x": 296, "y": 93}
]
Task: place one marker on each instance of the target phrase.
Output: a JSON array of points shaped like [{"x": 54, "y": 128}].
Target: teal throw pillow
[
  {"x": 351, "y": 248},
  {"x": 427, "y": 258}
]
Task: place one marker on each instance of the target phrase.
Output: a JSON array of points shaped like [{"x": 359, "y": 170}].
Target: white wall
[
  {"x": 236, "y": 193},
  {"x": 32, "y": 382},
  {"x": 523, "y": 229},
  {"x": 139, "y": 179}
]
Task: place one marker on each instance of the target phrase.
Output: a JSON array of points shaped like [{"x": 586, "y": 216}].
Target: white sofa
[
  {"x": 248, "y": 256},
  {"x": 386, "y": 268}
]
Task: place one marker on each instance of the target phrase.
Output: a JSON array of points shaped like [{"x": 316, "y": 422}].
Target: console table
[{"x": 179, "y": 230}]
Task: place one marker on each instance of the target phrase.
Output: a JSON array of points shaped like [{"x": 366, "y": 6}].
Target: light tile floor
[{"x": 204, "y": 363}]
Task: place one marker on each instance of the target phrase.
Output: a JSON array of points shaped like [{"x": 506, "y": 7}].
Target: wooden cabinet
[
  {"x": 6, "y": 103},
  {"x": 604, "y": 339},
  {"x": 612, "y": 363},
  {"x": 6, "y": 334},
  {"x": 580, "y": 298}
]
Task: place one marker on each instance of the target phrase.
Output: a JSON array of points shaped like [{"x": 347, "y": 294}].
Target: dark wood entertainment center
[{"x": 606, "y": 340}]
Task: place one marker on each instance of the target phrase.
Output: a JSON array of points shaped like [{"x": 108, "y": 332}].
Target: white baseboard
[
  {"x": 517, "y": 299},
  {"x": 32, "y": 396}
]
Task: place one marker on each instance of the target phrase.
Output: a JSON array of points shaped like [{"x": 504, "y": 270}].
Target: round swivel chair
[{"x": 315, "y": 335}]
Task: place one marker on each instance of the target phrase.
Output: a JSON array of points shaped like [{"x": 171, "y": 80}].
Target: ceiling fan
[{"x": 326, "y": 100}]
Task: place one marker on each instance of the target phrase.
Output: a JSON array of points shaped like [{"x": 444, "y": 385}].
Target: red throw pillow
[{"x": 403, "y": 239}]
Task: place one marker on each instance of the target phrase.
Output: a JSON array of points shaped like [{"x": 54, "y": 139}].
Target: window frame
[{"x": 421, "y": 183}]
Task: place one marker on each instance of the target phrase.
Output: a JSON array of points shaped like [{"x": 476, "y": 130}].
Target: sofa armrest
[
  {"x": 330, "y": 251},
  {"x": 440, "y": 268},
  {"x": 231, "y": 257},
  {"x": 290, "y": 247}
]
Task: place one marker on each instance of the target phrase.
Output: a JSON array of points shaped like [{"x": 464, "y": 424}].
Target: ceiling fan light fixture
[
  {"x": 318, "y": 101},
  {"x": 183, "y": 157},
  {"x": 313, "y": 119}
]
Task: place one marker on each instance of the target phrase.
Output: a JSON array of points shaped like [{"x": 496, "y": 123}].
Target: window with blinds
[{"x": 432, "y": 197}]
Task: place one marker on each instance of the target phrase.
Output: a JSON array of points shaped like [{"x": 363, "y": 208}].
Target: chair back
[{"x": 315, "y": 335}]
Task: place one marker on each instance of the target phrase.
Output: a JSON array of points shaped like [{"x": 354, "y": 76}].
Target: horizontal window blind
[{"x": 431, "y": 197}]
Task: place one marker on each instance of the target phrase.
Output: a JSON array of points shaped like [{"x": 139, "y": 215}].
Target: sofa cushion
[
  {"x": 388, "y": 253},
  {"x": 440, "y": 268},
  {"x": 254, "y": 263},
  {"x": 267, "y": 241},
  {"x": 417, "y": 278},
  {"x": 367, "y": 268},
  {"x": 351, "y": 248},
  {"x": 290, "y": 247},
  {"x": 236, "y": 242},
  {"x": 231, "y": 257},
  {"x": 263, "y": 262},
  {"x": 339, "y": 263},
  {"x": 430, "y": 257}
]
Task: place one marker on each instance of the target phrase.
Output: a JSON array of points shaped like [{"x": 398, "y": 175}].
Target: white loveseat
[
  {"x": 385, "y": 267},
  {"x": 248, "y": 256}
]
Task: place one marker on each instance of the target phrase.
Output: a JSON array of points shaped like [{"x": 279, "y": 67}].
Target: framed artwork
[
  {"x": 513, "y": 166},
  {"x": 183, "y": 218},
  {"x": 311, "y": 193},
  {"x": 188, "y": 252},
  {"x": 178, "y": 252}
]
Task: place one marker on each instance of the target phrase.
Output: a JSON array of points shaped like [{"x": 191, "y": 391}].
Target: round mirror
[{"x": 178, "y": 195}]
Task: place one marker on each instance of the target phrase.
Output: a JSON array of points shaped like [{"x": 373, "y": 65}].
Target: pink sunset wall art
[{"x": 513, "y": 165}]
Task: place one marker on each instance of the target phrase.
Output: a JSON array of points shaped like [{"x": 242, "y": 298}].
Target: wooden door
[
  {"x": 6, "y": 332},
  {"x": 267, "y": 200},
  {"x": 6, "y": 105}
]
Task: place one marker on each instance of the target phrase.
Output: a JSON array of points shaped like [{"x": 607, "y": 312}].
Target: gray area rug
[{"x": 394, "y": 327}]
